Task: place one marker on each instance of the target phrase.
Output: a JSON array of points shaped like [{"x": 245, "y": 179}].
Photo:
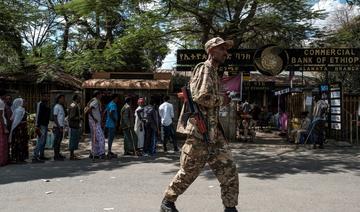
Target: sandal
[{"x": 74, "y": 158}]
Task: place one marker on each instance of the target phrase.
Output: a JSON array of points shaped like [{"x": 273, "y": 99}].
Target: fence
[{"x": 350, "y": 121}]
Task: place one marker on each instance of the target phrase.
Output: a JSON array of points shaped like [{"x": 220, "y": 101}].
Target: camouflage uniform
[{"x": 204, "y": 86}]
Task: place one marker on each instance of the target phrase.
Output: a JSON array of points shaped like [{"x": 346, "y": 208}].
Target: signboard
[
  {"x": 239, "y": 57},
  {"x": 331, "y": 93},
  {"x": 335, "y": 105},
  {"x": 235, "y": 70},
  {"x": 271, "y": 59},
  {"x": 246, "y": 76},
  {"x": 288, "y": 90},
  {"x": 258, "y": 86},
  {"x": 334, "y": 59},
  {"x": 308, "y": 101}
]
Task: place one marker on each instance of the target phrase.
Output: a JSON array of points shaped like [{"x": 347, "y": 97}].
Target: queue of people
[
  {"x": 13, "y": 130},
  {"x": 141, "y": 128}
]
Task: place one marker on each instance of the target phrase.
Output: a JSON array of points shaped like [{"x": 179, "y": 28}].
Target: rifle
[{"x": 195, "y": 112}]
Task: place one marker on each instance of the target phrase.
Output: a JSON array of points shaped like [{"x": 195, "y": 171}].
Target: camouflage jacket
[{"x": 205, "y": 90}]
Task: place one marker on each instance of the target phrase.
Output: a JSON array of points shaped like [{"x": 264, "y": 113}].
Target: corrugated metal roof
[{"x": 127, "y": 84}]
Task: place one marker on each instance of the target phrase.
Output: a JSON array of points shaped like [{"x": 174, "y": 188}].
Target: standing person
[
  {"x": 96, "y": 132},
  {"x": 19, "y": 137},
  {"x": 166, "y": 111},
  {"x": 127, "y": 127},
  {"x": 283, "y": 119},
  {"x": 139, "y": 127},
  {"x": 75, "y": 126},
  {"x": 246, "y": 107},
  {"x": 43, "y": 112},
  {"x": 205, "y": 89},
  {"x": 151, "y": 128},
  {"x": 320, "y": 109},
  {"x": 111, "y": 121},
  {"x": 319, "y": 120},
  {"x": 8, "y": 113},
  {"x": 59, "y": 119},
  {"x": 255, "y": 113},
  {"x": 4, "y": 149}
]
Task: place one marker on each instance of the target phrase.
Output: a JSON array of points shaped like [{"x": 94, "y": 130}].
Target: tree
[
  {"x": 97, "y": 35},
  {"x": 343, "y": 33},
  {"x": 113, "y": 36},
  {"x": 132, "y": 35},
  {"x": 42, "y": 23},
  {"x": 250, "y": 23},
  {"x": 12, "y": 19},
  {"x": 348, "y": 35}
]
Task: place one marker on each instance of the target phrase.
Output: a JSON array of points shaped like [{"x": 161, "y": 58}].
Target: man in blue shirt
[{"x": 111, "y": 122}]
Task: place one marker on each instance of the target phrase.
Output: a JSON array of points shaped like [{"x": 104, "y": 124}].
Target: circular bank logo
[{"x": 271, "y": 60}]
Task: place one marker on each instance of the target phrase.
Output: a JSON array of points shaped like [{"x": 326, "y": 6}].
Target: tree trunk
[
  {"x": 65, "y": 39},
  {"x": 97, "y": 25},
  {"x": 109, "y": 37},
  {"x": 16, "y": 44}
]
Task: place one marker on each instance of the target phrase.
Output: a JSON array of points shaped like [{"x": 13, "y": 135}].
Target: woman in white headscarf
[
  {"x": 18, "y": 135},
  {"x": 139, "y": 127}
]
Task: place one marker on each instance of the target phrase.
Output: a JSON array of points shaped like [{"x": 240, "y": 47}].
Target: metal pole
[
  {"x": 302, "y": 78},
  {"x": 279, "y": 103},
  {"x": 357, "y": 127},
  {"x": 351, "y": 137}
]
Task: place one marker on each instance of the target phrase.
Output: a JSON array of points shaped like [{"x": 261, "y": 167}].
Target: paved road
[{"x": 273, "y": 177}]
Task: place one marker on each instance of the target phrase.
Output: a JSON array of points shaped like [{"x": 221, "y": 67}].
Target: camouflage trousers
[{"x": 195, "y": 154}]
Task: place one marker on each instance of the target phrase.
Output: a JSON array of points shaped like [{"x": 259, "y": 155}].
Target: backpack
[{"x": 148, "y": 113}]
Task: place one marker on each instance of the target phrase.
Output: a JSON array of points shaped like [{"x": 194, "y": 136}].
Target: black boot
[
  {"x": 230, "y": 209},
  {"x": 167, "y": 206}
]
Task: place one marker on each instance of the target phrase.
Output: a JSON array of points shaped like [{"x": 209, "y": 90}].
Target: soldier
[{"x": 206, "y": 92}]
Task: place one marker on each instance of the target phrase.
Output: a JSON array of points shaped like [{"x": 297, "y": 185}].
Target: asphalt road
[{"x": 273, "y": 177}]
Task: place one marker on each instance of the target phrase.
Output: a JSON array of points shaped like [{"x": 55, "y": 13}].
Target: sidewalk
[{"x": 264, "y": 142}]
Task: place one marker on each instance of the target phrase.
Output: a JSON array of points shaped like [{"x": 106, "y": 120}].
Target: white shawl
[
  {"x": 18, "y": 114},
  {"x": 138, "y": 122}
]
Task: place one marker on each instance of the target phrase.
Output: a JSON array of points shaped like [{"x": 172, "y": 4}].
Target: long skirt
[
  {"x": 129, "y": 140},
  {"x": 97, "y": 138},
  {"x": 3, "y": 146},
  {"x": 140, "y": 134},
  {"x": 20, "y": 143},
  {"x": 75, "y": 135}
]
